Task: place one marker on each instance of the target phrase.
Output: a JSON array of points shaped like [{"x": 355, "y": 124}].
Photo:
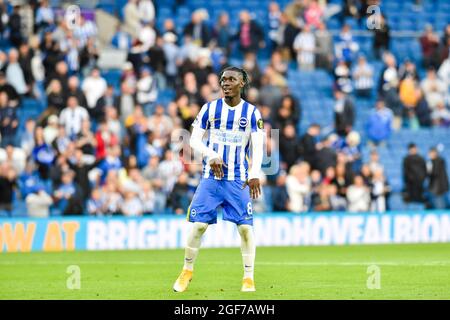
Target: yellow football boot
[
  {"x": 248, "y": 285},
  {"x": 183, "y": 281}
]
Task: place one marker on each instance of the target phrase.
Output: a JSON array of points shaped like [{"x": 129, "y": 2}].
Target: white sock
[
  {"x": 248, "y": 249},
  {"x": 193, "y": 244}
]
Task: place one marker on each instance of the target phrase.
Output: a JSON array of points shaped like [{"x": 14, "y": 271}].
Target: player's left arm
[{"x": 257, "y": 139}]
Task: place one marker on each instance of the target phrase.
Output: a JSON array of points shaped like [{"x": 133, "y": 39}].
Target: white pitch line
[{"x": 264, "y": 263}]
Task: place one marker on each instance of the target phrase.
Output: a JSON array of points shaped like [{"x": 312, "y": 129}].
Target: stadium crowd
[{"x": 103, "y": 150}]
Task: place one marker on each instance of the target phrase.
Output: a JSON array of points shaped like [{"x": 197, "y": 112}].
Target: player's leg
[
  {"x": 238, "y": 209},
  {"x": 190, "y": 254},
  {"x": 193, "y": 244},
  {"x": 202, "y": 212},
  {"x": 248, "y": 250}
]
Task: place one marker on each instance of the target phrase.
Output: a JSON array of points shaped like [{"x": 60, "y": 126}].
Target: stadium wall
[{"x": 163, "y": 232}]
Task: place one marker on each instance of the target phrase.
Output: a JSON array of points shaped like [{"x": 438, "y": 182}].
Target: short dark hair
[
  {"x": 244, "y": 74},
  {"x": 411, "y": 145}
]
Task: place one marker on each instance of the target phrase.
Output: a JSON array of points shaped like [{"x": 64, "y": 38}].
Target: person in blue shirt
[{"x": 379, "y": 123}]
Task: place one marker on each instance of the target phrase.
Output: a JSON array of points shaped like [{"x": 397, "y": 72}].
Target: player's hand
[
  {"x": 216, "y": 166},
  {"x": 255, "y": 187}
]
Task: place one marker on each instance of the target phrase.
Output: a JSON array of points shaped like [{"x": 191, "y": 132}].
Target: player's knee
[
  {"x": 200, "y": 227},
  {"x": 245, "y": 231}
]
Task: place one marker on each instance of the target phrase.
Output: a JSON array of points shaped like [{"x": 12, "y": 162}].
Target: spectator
[
  {"x": 121, "y": 39},
  {"x": 441, "y": 115},
  {"x": 222, "y": 33},
  {"x": 81, "y": 168},
  {"x": 313, "y": 14},
  {"x": 111, "y": 197},
  {"x": 15, "y": 75},
  {"x": 379, "y": 124},
  {"x": 363, "y": 78},
  {"x": 280, "y": 196},
  {"x": 13, "y": 96},
  {"x": 147, "y": 36},
  {"x": 250, "y": 35},
  {"x": 430, "y": 44},
  {"x": 131, "y": 205},
  {"x": 8, "y": 121},
  {"x": 250, "y": 64},
  {"x": 27, "y": 136},
  {"x": 111, "y": 162},
  {"x": 51, "y": 130},
  {"x": 295, "y": 13},
  {"x": 274, "y": 23},
  {"x": 132, "y": 17},
  {"x": 379, "y": 190},
  {"x": 351, "y": 150},
  {"x": 287, "y": 112},
  {"x": 67, "y": 195},
  {"x": 343, "y": 77},
  {"x": 374, "y": 162},
  {"x": 346, "y": 48},
  {"x": 388, "y": 88},
  {"x": 38, "y": 203},
  {"x": 15, "y": 26},
  {"x": 434, "y": 89},
  {"x": 94, "y": 88},
  {"x": 325, "y": 157},
  {"x": 414, "y": 175},
  {"x": 73, "y": 116},
  {"x": 308, "y": 146},
  {"x": 8, "y": 183},
  {"x": 358, "y": 196},
  {"x": 146, "y": 10},
  {"x": 55, "y": 98},
  {"x": 337, "y": 202},
  {"x": 438, "y": 185},
  {"x": 324, "y": 47},
  {"x": 322, "y": 201},
  {"x": 88, "y": 56},
  {"x": 171, "y": 53},
  {"x": 305, "y": 46},
  {"x": 73, "y": 89},
  {"x": 108, "y": 101},
  {"x": 179, "y": 197},
  {"x": 381, "y": 34},
  {"x": 408, "y": 70},
  {"x": 289, "y": 142},
  {"x": 24, "y": 59},
  {"x": 147, "y": 91},
  {"x": 286, "y": 34},
  {"x": 197, "y": 29},
  {"x": 344, "y": 113},
  {"x": 147, "y": 197},
  {"x": 95, "y": 205},
  {"x": 16, "y": 158},
  {"x": 298, "y": 186}
]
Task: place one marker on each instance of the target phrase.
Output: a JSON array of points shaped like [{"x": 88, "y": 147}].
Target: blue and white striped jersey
[{"x": 229, "y": 132}]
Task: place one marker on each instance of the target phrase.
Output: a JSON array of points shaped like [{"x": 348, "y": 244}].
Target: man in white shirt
[
  {"x": 73, "y": 116},
  {"x": 94, "y": 87},
  {"x": 305, "y": 45}
]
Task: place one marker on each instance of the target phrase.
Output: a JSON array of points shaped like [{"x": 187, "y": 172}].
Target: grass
[{"x": 337, "y": 272}]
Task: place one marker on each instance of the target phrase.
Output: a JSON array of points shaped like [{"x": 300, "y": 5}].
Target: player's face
[{"x": 231, "y": 83}]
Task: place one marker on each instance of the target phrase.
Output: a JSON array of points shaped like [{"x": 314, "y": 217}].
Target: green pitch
[{"x": 406, "y": 272}]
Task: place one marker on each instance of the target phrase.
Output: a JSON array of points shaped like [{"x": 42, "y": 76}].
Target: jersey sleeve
[
  {"x": 256, "y": 121},
  {"x": 202, "y": 118}
]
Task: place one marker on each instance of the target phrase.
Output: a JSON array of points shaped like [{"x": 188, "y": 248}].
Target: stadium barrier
[{"x": 280, "y": 229}]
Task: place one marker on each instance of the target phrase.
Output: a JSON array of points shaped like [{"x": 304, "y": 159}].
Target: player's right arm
[{"x": 200, "y": 125}]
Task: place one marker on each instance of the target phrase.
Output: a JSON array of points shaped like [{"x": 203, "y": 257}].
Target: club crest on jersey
[{"x": 243, "y": 122}]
